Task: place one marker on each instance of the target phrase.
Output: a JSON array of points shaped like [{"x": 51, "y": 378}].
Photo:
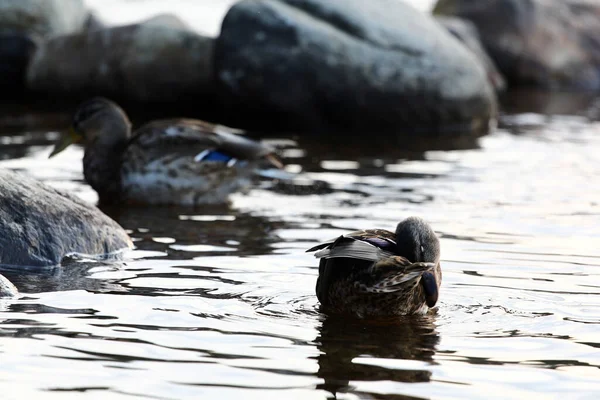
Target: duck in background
[
  {"x": 378, "y": 273},
  {"x": 174, "y": 161}
]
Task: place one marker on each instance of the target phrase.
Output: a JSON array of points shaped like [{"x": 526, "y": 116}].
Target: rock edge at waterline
[{"x": 40, "y": 225}]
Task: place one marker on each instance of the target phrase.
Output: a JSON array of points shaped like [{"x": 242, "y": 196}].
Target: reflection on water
[
  {"x": 220, "y": 230},
  {"x": 219, "y": 301},
  {"x": 352, "y": 351}
]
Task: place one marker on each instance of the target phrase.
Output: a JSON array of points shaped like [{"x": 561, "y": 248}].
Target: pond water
[{"x": 219, "y": 302}]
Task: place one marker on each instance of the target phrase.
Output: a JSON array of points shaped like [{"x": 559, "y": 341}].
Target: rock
[
  {"x": 40, "y": 225},
  {"x": 94, "y": 23},
  {"x": 22, "y": 24},
  {"x": 167, "y": 20},
  {"x": 43, "y": 18},
  {"x": 466, "y": 32},
  {"x": 551, "y": 44},
  {"x": 146, "y": 62},
  {"x": 7, "y": 289},
  {"x": 15, "y": 52},
  {"x": 349, "y": 66}
]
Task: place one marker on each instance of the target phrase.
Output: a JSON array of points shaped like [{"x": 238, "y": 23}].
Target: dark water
[{"x": 219, "y": 302}]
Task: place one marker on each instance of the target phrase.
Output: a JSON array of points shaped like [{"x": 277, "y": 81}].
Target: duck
[
  {"x": 40, "y": 226},
  {"x": 171, "y": 161},
  {"x": 376, "y": 273}
]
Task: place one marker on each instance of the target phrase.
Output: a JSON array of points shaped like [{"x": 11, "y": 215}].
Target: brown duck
[
  {"x": 174, "y": 161},
  {"x": 378, "y": 273}
]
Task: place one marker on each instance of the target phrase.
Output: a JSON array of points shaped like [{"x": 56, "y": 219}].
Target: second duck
[{"x": 174, "y": 161}]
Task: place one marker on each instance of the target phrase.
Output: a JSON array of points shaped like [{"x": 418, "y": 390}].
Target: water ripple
[{"x": 219, "y": 301}]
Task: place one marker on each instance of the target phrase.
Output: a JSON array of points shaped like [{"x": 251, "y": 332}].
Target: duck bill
[{"x": 68, "y": 138}]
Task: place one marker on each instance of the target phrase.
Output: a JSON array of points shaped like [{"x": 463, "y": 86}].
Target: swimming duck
[
  {"x": 174, "y": 161},
  {"x": 378, "y": 273}
]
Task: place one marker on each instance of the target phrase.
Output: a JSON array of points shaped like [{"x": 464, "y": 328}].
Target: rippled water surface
[{"x": 220, "y": 303}]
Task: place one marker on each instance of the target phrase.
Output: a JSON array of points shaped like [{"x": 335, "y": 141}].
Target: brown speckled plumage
[
  {"x": 174, "y": 161},
  {"x": 378, "y": 273}
]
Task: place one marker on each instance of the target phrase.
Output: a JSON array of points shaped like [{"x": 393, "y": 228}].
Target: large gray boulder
[
  {"x": 25, "y": 22},
  {"x": 466, "y": 32},
  {"x": 551, "y": 44},
  {"x": 15, "y": 52},
  {"x": 347, "y": 65},
  {"x": 154, "y": 61},
  {"x": 40, "y": 225}
]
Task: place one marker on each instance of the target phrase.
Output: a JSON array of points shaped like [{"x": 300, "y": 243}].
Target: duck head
[
  {"x": 417, "y": 242},
  {"x": 97, "y": 121}
]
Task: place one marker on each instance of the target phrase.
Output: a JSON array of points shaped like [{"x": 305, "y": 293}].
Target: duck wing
[
  {"x": 394, "y": 274},
  {"x": 198, "y": 139},
  {"x": 370, "y": 245}
]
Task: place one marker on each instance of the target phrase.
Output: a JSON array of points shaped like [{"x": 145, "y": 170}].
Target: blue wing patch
[{"x": 212, "y": 155}]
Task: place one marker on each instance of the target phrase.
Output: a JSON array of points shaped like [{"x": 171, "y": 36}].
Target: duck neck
[{"x": 102, "y": 167}]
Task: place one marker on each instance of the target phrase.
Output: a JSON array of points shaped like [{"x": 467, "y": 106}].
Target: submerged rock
[
  {"x": 347, "y": 65},
  {"x": 40, "y": 225},
  {"x": 466, "y": 32},
  {"x": 155, "y": 61},
  {"x": 551, "y": 44}
]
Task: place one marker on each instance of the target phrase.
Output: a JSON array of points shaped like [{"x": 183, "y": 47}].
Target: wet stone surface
[
  {"x": 158, "y": 60},
  {"x": 316, "y": 67},
  {"x": 547, "y": 44},
  {"x": 40, "y": 225}
]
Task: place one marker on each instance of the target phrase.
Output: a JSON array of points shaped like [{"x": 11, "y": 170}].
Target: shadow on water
[
  {"x": 183, "y": 233},
  {"x": 345, "y": 343}
]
